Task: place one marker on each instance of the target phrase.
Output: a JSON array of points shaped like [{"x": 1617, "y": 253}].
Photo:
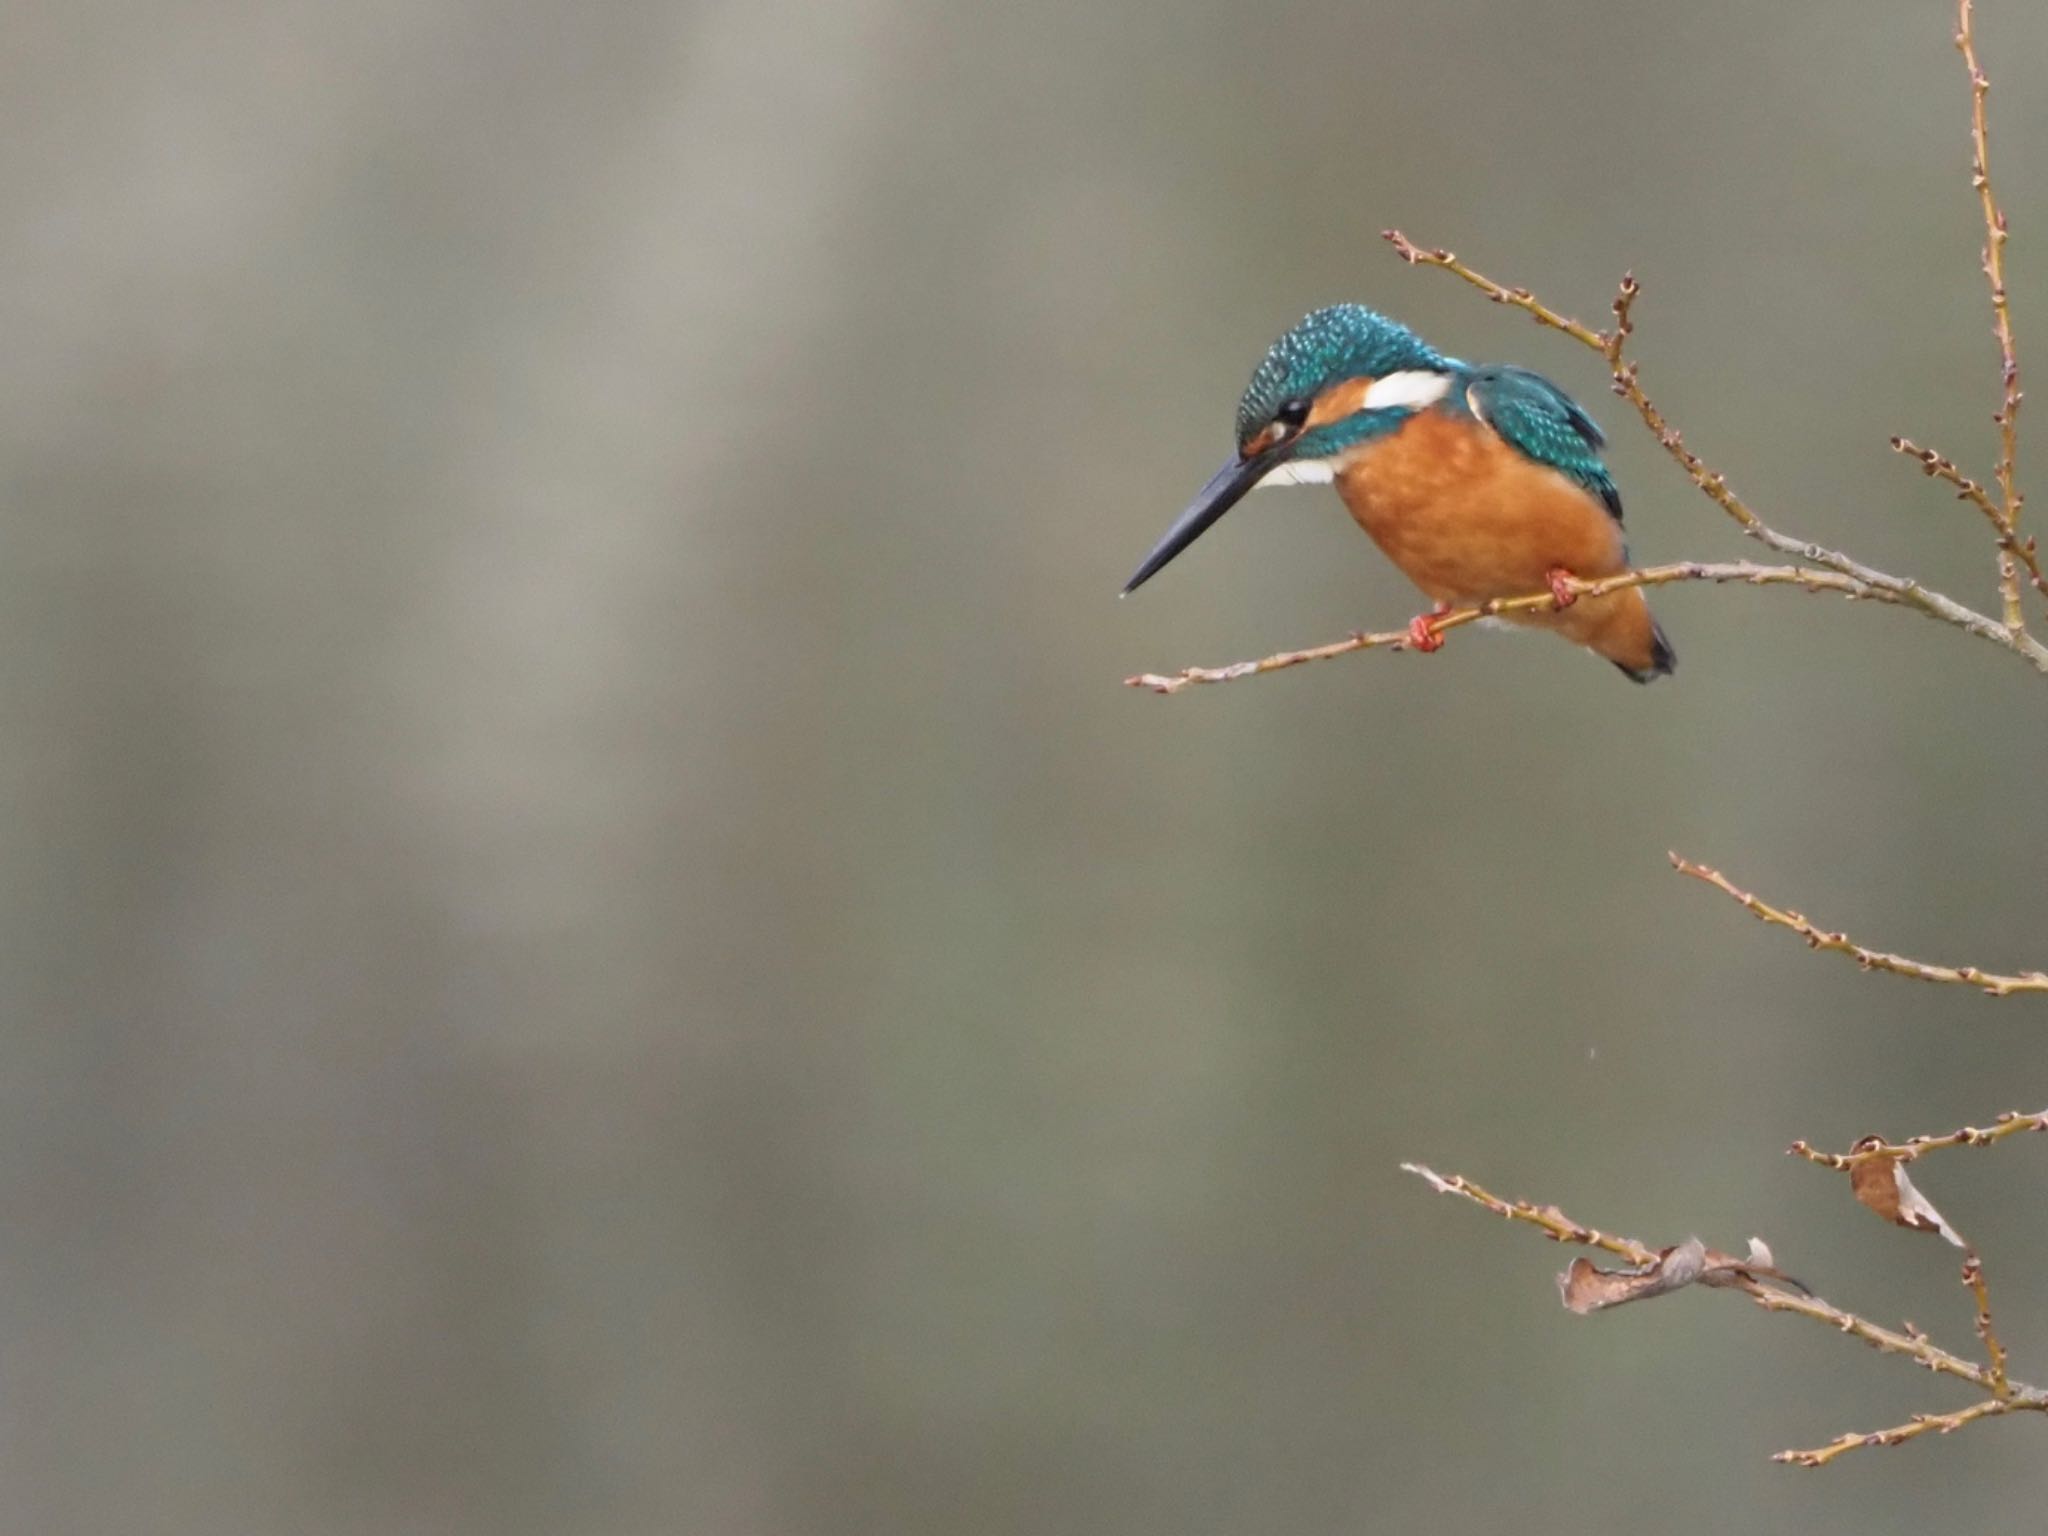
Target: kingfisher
[{"x": 1477, "y": 481}]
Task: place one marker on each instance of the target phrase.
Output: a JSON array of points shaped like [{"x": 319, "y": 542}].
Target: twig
[
  {"x": 2001, "y": 312},
  {"x": 1973, "y": 1277},
  {"x": 1535, "y": 602},
  {"x": 1940, "y": 467},
  {"x": 1920, "y": 1424},
  {"x": 1515, "y": 298},
  {"x": 1873, "y": 1148},
  {"x": 1914, "y": 1346},
  {"x": 1547, "y": 1219},
  {"x": 1869, "y": 959},
  {"x": 2005, "y": 1395}
]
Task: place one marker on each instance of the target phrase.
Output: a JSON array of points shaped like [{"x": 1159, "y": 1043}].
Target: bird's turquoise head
[{"x": 1342, "y": 377}]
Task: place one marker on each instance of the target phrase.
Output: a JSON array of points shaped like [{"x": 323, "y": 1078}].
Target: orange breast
[{"x": 1467, "y": 518}]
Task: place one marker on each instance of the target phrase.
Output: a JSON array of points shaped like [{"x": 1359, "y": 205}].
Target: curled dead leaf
[
  {"x": 1587, "y": 1288},
  {"x": 1881, "y": 1184}
]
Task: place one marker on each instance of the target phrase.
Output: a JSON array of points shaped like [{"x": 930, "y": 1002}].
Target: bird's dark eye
[{"x": 1292, "y": 414}]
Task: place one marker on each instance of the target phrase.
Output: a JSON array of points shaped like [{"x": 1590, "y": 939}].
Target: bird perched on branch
[{"x": 1479, "y": 482}]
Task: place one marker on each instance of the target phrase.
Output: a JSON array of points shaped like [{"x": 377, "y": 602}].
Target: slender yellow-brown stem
[
  {"x": 1873, "y": 1148},
  {"x": 2001, "y": 311},
  {"x": 1803, "y": 577},
  {"x": 1940, "y": 467},
  {"x": 1920, "y": 1424},
  {"x": 1980, "y": 1292},
  {"x": 1870, "y": 959}
]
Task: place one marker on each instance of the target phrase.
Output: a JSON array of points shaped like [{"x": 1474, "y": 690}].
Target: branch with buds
[
  {"x": 1876, "y": 1168},
  {"x": 1869, "y": 959},
  {"x": 1652, "y": 1272}
]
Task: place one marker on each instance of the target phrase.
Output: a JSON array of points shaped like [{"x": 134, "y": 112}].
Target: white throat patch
[{"x": 1299, "y": 472}]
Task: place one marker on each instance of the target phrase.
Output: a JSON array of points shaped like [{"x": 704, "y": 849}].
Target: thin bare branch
[
  {"x": 2007, "y": 1395},
  {"x": 1535, "y": 602},
  {"x": 1973, "y": 1277},
  {"x": 1920, "y": 1424},
  {"x": 1869, "y": 959},
  {"x": 1515, "y": 298},
  {"x": 2001, "y": 313},
  {"x": 2015, "y": 550},
  {"x": 1547, "y": 1219},
  {"x": 1874, "y": 1148},
  {"x": 1913, "y": 1345},
  {"x": 1940, "y": 467}
]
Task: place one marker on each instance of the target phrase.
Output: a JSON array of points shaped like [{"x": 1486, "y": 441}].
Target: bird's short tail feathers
[{"x": 1663, "y": 659}]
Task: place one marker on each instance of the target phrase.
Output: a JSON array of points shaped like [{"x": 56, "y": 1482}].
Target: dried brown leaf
[
  {"x": 1586, "y": 1288},
  {"x": 1881, "y": 1184}
]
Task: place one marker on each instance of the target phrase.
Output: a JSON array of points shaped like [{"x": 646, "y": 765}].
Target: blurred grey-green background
[{"x": 591, "y": 943}]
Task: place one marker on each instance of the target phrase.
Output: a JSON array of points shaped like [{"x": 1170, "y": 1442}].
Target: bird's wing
[{"x": 1539, "y": 420}]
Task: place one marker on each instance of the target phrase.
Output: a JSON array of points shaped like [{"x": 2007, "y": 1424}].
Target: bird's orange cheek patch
[
  {"x": 1266, "y": 437},
  {"x": 1334, "y": 404},
  {"x": 1339, "y": 401}
]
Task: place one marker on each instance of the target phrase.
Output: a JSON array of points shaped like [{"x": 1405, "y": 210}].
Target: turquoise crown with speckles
[{"x": 1344, "y": 341}]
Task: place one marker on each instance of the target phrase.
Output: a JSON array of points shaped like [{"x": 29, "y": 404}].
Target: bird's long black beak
[{"x": 1223, "y": 492}]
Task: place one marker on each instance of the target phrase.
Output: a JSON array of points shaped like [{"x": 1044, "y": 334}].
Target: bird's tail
[
  {"x": 1618, "y": 626},
  {"x": 1642, "y": 657}
]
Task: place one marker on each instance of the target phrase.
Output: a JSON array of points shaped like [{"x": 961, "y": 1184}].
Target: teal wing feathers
[{"x": 1536, "y": 418}]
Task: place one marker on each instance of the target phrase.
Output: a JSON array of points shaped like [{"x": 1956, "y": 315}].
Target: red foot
[
  {"x": 1421, "y": 637},
  {"x": 1560, "y": 581}
]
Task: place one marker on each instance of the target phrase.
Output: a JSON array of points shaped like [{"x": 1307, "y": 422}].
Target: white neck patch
[{"x": 1416, "y": 389}]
